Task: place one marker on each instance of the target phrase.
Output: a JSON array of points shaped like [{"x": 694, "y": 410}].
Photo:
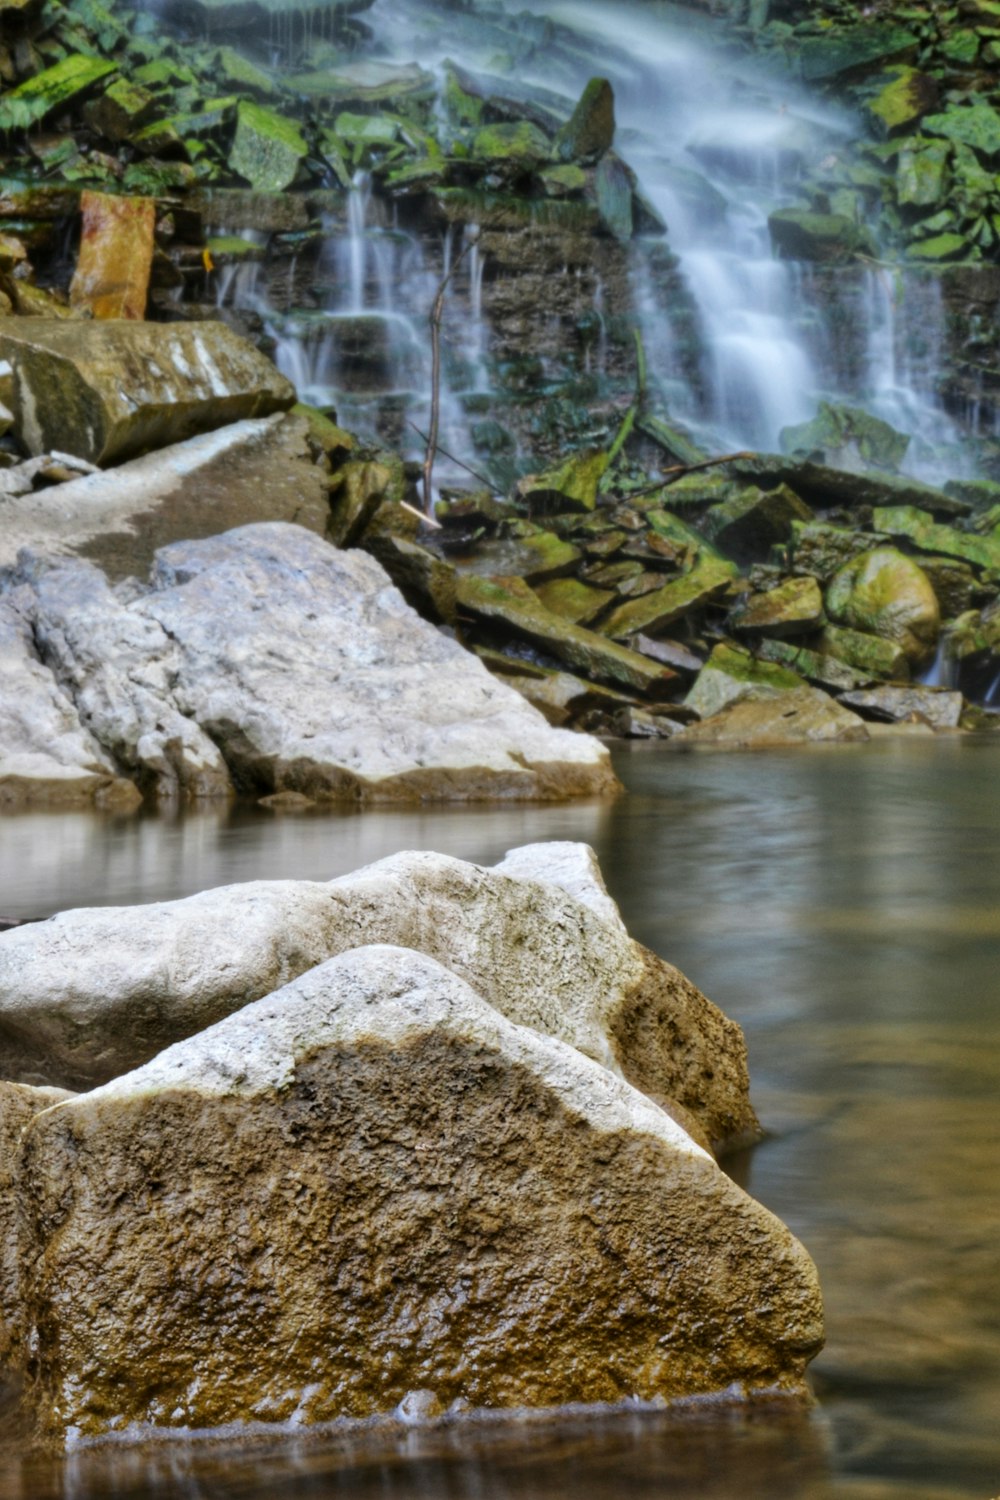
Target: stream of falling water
[{"x": 717, "y": 145}]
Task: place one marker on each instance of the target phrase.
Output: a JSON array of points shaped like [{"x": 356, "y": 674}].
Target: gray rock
[
  {"x": 91, "y": 993},
  {"x": 267, "y": 660},
  {"x": 941, "y": 709},
  {"x": 371, "y": 1184},
  {"x": 803, "y": 715}
]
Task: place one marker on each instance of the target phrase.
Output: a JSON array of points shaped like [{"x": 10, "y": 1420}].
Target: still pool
[{"x": 844, "y": 906}]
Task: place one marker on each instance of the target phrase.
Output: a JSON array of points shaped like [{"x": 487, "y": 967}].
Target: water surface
[{"x": 844, "y": 906}]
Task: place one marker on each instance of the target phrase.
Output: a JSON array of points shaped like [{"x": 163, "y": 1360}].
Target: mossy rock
[
  {"x": 747, "y": 526},
  {"x": 922, "y": 174},
  {"x": 800, "y": 234},
  {"x": 872, "y": 655},
  {"x": 847, "y": 436},
  {"x": 920, "y": 528},
  {"x": 732, "y": 674},
  {"x": 573, "y": 485},
  {"x": 823, "y": 670},
  {"x": 121, "y": 110},
  {"x": 903, "y": 101},
  {"x": 976, "y": 124},
  {"x": 613, "y": 192},
  {"x": 520, "y": 142},
  {"x": 707, "y": 581},
  {"x": 590, "y": 131},
  {"x": 267, "y": 150},
  {"x": 961, "y": 48},
  {"x": 940, "y": 247},
  {"x": 54, "y": 88},
  {"x": 794, "y": 607},
  {"x": 848, "y": 49},
  {"x": 818, "y": 549},
  {"x": 572, "y": 600},
  {"x": 886, "y": 593}
]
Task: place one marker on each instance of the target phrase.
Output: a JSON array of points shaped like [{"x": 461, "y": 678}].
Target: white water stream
[{"x": 717, "y": 146}]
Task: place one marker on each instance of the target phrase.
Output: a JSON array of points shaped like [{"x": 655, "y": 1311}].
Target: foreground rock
[
  {"x": 266, "y": 661},
  {"x": 110, "y": 389},
  {"x": 371, "y": 1188},
  {"x": 18, "y": 1105},
  {"x": 92, "y": 993}
]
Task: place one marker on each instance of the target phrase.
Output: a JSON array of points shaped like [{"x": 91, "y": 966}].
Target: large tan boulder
[
  {"x": 887, "y": 594},
  {"x": 803, "y": 715},
  {"x": 92, "y": 993},
  {"x": 109, "y": 389},
  {"x": 371, "y": 1188},
  {"x": 18, "y": 1105}
]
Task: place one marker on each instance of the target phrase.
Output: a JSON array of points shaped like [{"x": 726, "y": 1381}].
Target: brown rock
[
  {"x": 18, "y": 1105},
  {"x": 804, "y": 715},
  {"x": 370, "y": 1185},
  {"x": 116, "y": 255}
]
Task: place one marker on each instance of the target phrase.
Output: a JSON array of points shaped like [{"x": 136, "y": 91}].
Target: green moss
[
  {"x": 52, "y": 89},
  {"x": 267, "y": 149},
  {"x": 975, "y": 124}
]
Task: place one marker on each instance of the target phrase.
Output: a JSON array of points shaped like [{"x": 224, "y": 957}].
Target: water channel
[{"x": 844, "y": 906}]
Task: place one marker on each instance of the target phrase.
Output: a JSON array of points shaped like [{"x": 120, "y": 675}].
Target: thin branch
[
  {"x": 679, "y": 471},
  {"x": 451, "y": 457},
  {"x": 437, "y": 312}
]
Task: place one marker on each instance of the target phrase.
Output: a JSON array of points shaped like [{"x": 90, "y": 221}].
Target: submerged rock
[
  {"x": 267, "y": 659},
  {"x": 91, "y": 993},
  {"x": 370, "y": 1184},
  {"x": 107, "y": 390}
]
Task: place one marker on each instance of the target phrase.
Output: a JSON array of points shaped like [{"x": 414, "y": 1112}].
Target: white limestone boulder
[{"x": 92, "y": 993}]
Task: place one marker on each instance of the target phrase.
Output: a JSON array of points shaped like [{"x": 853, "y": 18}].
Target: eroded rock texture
[{"x": 371, "y": 1184}]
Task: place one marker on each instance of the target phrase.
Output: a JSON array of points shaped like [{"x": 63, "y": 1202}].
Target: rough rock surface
[
  {"x": 46, "y": 754},
  {"x": 370, "y": 1185},
  {"x": 802, "y": 715},
  {"x": 91, "y": 993},
  {"x": 887, "y": 594},
  {"x": 113, "y": 388},
  {"x": 257, "y": 470},
  {"x": 18, "y": 1105},
  {"x": 267, "y": 660}
]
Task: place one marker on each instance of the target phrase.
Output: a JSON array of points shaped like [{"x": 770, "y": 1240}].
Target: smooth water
[{"x": 844, "y": 906}]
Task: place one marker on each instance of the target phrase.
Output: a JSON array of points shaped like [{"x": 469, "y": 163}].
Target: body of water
[{"x": 843, "y": 905}]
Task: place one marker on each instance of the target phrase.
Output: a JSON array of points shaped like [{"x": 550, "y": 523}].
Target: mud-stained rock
[
  {"x": 92, "y": 993},
  {"x": 115, "y": 257},
  {"x": 110, "y": 389},
  {"x": 18, "y": 1105},
  {"x": 804, "y": 715},
  {"x": 372, "y": 1184}
]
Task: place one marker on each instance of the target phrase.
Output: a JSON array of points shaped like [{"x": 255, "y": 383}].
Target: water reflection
[{"x": 842, "y": 904}]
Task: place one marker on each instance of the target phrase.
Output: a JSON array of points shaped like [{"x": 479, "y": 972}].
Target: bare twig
[
  {"x": 437, "y": 312},
  {"x": 427, "y": 520},
  {"x": 451, "y": 457}
]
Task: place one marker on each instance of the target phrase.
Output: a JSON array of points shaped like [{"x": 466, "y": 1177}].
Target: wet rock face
[
  {"x": 371, "y": 1184},
  {"x": 110, "y": 389},
  {"x": 91, "y": 993}
]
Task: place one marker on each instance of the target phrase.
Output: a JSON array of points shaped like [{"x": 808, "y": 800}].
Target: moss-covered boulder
[
  {"x": 708, "y": 580},
  {"x": 520, "y": 142},
  {"x": 975, "y": 124},
  {"x": 922, "y": 175},
  {"x": 849, "y": 49},
  {"x": 267, "y": 149},
  {"x": 572, "y": 486},
  {"x": 818, "y": 548},
  {"x": 874, "y": 655},
  {"x": 847, "y": 437},
  {"x": 590, "y": 131},
  {"x": 902, "y": 102},
  {"x": 510, "y": 605},
  {"x": 748, "y": 525},
  {"x": 886, "y": 593},
  {"x": 71, "y": 79},
  {"x": 920, "y": 528},
  {"x": 794, "y": 607},
  {"x": 733, "y": 673}
]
